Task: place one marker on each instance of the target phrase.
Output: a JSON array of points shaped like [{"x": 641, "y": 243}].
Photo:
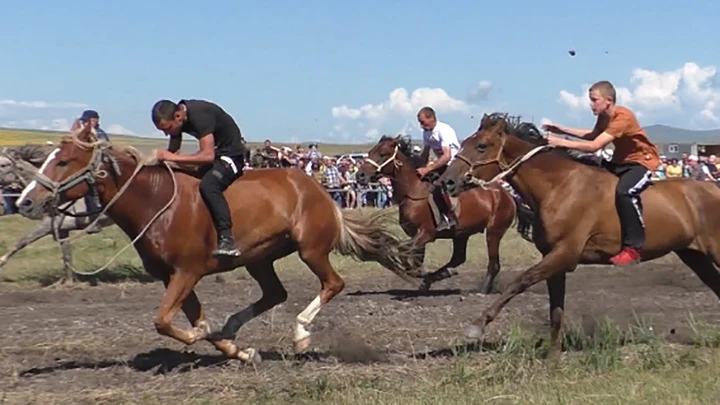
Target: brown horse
[
  {"x": 576, "y": 221},
  {"x": 478, "y": 210},
  {"x": 275, "y": 212}
]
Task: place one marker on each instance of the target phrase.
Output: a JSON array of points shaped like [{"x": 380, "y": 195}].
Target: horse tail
[{"x": 367, "y": 237}]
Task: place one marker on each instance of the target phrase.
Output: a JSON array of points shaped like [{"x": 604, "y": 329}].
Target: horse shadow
[
  {"x": 402, "y": 295},
  {"x": 165, "y": 361}
]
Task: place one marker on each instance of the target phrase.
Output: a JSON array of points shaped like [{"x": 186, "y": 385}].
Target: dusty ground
[{"x": 98, "y": 344}]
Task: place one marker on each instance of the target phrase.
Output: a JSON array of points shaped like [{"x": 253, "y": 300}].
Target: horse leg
[
  {"x": 556, "y": 293},
  {"x": 559, "y": 260},
  {"x": 459, "y": 256},
  {"x": 179, "y": 287},
  {"x": 273, "y": 293},
  {"x": 66, "y": 256},
  {"x": 43, "y": 230},
  {"x": 702, "y": 265},
  {"x": 492, "y": 241},
  {"x": 331, "y": 285}
]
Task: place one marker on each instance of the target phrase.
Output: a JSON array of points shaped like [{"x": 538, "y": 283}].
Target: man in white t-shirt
[{"x": 442, "y": 140}]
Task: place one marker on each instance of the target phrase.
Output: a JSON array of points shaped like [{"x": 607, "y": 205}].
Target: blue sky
[{"x": 352, "y": 71}]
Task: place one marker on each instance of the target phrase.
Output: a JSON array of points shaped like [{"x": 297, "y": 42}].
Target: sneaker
[
  {"x": 226, "y": 247},
  {"x": 625, "y": 257},
  {"x": 447, "y": 222}
]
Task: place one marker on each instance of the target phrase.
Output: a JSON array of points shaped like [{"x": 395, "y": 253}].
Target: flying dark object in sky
[{"x": 571, "y": 52}]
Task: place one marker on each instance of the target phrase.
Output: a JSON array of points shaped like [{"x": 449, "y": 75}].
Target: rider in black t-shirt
[{"x": 221, "y": 144}]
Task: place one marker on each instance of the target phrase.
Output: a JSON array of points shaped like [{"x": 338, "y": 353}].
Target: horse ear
[{"x": 85, "y": 134}]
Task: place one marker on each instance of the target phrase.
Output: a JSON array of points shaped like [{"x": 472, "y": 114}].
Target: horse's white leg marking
[
  {"x": 305, "y": 317},
  {"x": 33, "y": 183}
]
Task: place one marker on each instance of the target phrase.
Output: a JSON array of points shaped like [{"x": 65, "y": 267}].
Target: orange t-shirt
[{"x": 632, "y": 144}]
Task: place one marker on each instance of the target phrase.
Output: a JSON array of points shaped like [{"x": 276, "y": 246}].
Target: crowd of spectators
[
  {"x": 336, "y": 173},
  {"x": 705, "y": 168}
]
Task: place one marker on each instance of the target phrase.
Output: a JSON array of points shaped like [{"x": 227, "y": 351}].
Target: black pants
[
  {"x": 212, "y": 186},
  {"x": 634, "y": 178}
]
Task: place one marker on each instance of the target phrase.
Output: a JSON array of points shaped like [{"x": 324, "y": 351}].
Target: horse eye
[
  {"x": 62, "y": 163},
  {"x": 482, "y": 147}
]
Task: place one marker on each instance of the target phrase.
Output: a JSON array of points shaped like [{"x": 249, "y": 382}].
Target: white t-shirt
[{"x": 442, "y": 135}]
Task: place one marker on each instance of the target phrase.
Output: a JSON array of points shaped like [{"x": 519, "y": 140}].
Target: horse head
[
  {"x": 69, "y": 172},
  {"x": 485, "y": 154},
  {"x": 385, "y": 158}
]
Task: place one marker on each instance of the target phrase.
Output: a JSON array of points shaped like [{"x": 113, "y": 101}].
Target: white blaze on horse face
[{"x": 33, "y": 183}]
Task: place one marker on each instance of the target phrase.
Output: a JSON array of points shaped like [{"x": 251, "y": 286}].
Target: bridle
[
  {"x": 392, "y": 159},
  {"x": 397, "y": 164},
  {"x": 505, "y": 169},
  {"x": 88, "y": 174}
]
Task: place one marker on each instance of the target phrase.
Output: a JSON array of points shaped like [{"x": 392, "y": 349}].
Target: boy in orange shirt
[{"x": 634, "y": 160}]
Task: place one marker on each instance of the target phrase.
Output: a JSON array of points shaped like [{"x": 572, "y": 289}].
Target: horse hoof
[
  {"x": 253, "y": 356},
  {"x": 424, "y": 286},
  {"x": 473, "y": 331},
  {"x": 302, "y": 345}
]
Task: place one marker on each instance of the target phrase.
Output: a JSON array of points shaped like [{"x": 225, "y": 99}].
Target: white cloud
[
  {"x": 58, "y": 124},
  {"x": 481, "y": 91},
  {"x": 397, "y": 114},
  {"x": 116, "y": 129},
  {"x": 400, "y": 102},
  {"x": 41, "y": 104},
  {"x": 688, "y": 96}
]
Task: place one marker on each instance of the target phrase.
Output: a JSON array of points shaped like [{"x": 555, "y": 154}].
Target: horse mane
[
  {"x": 31, "y": 153},
  {"x": 525, "y": 131},
  {"x": 404, "y": 145}
]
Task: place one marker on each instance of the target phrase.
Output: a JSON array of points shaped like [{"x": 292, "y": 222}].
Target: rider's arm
[
  {"x": 614, "y": 129},
  {"x": 206, "y": 154},
  {"x": 587, "y": 146},
  {"x": 425, "y": 155},
  {"x": 445, "y": 158},
  {"x": 582, "y": 133},
  {"x": 175, "y": 143}
]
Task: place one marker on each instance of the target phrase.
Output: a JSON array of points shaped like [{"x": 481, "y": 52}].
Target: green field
[{"x": 13, "y": 137}]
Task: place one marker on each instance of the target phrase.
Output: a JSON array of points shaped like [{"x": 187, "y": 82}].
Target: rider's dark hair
[{"x": 163, "y": 110}]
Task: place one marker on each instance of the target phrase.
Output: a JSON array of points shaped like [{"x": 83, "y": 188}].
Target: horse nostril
[{"x": 26, "y": 203}]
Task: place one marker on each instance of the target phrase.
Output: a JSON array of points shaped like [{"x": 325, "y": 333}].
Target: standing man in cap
[
  {"x": 93, "y": 118},
  {"x": 92, "y": 201}
]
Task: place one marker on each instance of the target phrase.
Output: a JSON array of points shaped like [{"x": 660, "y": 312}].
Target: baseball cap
[{"x": 88, "y": 114}]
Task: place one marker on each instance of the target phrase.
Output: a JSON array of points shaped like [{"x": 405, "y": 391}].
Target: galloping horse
[
  {"x": 478, "y": 210},
  {"x": 17, "y": 167},
  {"x": 275, "y": 212},
  {"x": 575, "y": 217}
]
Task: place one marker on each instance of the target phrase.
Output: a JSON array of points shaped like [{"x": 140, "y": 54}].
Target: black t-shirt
[{"x": 204, "y": 117}]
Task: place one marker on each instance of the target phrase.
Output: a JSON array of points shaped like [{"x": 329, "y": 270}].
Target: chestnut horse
[
  {"x": 275, "y": 212},
  {"x": 576, "y": 220},
  {"x": 478, "y": 210}
]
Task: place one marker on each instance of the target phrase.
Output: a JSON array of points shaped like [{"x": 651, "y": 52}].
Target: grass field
[
  {"x": 12, "y": 137},
  {"x": 634, "y": 336}
]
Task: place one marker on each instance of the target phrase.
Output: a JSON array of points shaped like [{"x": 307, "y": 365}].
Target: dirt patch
[{"x": 98, "y": 344}]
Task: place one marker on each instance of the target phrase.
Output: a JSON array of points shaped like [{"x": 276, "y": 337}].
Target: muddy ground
[{"x": 98, "y": 344}]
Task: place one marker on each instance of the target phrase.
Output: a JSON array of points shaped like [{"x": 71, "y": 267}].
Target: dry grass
[{"x": 91, "y": 356}]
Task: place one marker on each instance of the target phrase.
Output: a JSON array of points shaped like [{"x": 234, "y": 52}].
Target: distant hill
[{"x": 667, "y": 134}]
